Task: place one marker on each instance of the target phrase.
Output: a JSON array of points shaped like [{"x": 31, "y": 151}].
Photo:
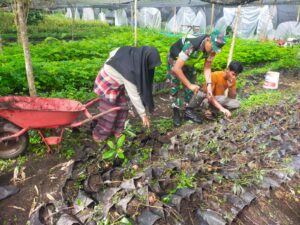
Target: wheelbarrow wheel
[{"x": 15, "y": 146}]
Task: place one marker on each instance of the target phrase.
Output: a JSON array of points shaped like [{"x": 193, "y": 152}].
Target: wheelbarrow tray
[{"x": 38, "y": 112}]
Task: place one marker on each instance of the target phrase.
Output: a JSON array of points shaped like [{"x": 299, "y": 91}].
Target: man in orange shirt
[{"x": 222, "y": 81}]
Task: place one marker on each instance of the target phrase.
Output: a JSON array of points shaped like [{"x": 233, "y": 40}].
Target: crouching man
[{"x": 222, "y": 81}]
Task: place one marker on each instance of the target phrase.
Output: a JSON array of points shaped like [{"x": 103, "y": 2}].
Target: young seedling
[{"x": 115, "y": 149}]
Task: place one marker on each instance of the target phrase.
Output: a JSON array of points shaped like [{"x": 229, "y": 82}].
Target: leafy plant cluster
[
  {"x": 261, "y": 98},
  {"x": 184, "y": 180},
  {"x": 68, "y": 68},
  {"x": 7, "y": 23},
  {"x": 41, "y": 26},
  {"x": 61, "y": 66},
  {"x": 34, "y": 17}
]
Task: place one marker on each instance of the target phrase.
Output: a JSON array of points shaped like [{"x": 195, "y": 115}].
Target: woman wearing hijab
[{"x": 130, "y": 69}]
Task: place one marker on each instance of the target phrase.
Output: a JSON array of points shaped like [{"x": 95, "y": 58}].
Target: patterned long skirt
[{"x": 111, "y": 123}]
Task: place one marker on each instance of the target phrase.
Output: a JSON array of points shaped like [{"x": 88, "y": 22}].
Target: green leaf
[
  {"x": 121, "y": 141},
  {"x": 108, "y": 154},
  {"x": 111, "y": 144},
  {"x": 121, "y": 155},
  {"x": 125, "y": 221}
]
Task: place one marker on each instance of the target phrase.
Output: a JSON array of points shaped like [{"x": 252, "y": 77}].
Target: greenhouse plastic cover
[
  {"x": 265, "y": 27},
  {"x": 182, "y": 20},
  {"x": 248, "y": 21},
  {"x": 102, "y": 17},
  {"x": 261, "y": 19},
  {"x": 287, "y": 29},
  {"x": 120, "y": 17},
  {"x": 149, "y": 17},
  {"x": 71, "y": 12},
  {"x": 88, "y": 14},
  {"x": 200, "y": 20}
]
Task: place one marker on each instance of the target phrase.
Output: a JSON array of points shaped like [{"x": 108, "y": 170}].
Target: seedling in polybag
[{"x": 115, "y": 149}]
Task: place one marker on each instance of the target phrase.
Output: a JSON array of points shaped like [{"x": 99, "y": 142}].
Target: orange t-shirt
[{"x": 219, "y": 84}]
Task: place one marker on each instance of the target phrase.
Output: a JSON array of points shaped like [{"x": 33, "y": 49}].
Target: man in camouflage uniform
[{"x": 183, "y": 56}]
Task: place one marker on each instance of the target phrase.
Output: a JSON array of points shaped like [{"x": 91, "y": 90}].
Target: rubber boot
[{"x": 176, "y": 117}]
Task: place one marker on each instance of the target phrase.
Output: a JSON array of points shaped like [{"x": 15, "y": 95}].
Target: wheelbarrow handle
[
  {"x": 97, "y": 116},
  {"x": 86, "y": 112},
  {"x": 93, "y": 101}
]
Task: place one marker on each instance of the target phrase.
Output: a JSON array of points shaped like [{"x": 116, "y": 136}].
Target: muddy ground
[{"x": 239, "y": 171}]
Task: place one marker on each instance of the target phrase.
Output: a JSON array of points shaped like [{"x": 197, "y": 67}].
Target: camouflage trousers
[{"x": 180, "y": 95}]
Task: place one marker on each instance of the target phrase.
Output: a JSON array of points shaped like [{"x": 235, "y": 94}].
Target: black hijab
[{"x": 137, "y": 66}]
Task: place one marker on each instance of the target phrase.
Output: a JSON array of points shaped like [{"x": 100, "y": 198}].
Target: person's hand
[
  {"x": 146, "y": 121},
  {"x": 230, "y": 82},
  {"x": 194, "y": 88},
  {"x": 226, "y": 112}
]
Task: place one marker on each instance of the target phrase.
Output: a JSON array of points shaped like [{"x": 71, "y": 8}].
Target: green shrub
[{"x": 34, "y": 17}]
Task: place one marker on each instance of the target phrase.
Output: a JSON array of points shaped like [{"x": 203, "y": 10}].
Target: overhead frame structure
[{"x": 54, "y": 4}]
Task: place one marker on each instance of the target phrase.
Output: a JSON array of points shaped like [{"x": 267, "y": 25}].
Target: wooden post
[
  {"x": 212, "y": 17},
  {"x": 234, "y": 34},
  {"x": 135, "y": 23},
  {"x": 25, "y": 44}
]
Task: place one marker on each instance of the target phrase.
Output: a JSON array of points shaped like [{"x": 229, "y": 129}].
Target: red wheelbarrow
[{"x": 24, "y": 113}]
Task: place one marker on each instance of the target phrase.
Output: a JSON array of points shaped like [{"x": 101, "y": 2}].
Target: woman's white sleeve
[{"x": 135, "y": 98}]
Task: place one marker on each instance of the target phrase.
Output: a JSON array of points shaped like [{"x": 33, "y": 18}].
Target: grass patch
[{"x": 263, "y": 98}]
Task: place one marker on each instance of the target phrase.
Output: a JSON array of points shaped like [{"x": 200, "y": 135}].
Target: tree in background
[{"x": 21, "y": 8}]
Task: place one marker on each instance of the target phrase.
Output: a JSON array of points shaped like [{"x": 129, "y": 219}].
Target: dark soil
[
  {"x": 39, "y": 177},
  {"x": 244, "y": 141},
  {"x": 281, "y": 206}
]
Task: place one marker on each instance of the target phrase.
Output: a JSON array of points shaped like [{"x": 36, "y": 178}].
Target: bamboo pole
[
  {"x": 298, "y": 14},
  {"x": 131, "y": 15},
  {"x": 135, "y": 23},
  {"x": 73, "y": 11},
  {"x": 234, "y": 34},
  {"x": 175, "y": 20},
  {"x": 212, "y": 17},
  {"x": 25, "y": 44}
]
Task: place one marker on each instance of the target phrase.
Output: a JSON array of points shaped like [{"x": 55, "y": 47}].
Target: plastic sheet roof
[{"x": 148, "y": 3}]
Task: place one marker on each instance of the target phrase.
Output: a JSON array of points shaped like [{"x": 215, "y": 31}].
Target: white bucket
[{"x": 271, "y": 80}]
